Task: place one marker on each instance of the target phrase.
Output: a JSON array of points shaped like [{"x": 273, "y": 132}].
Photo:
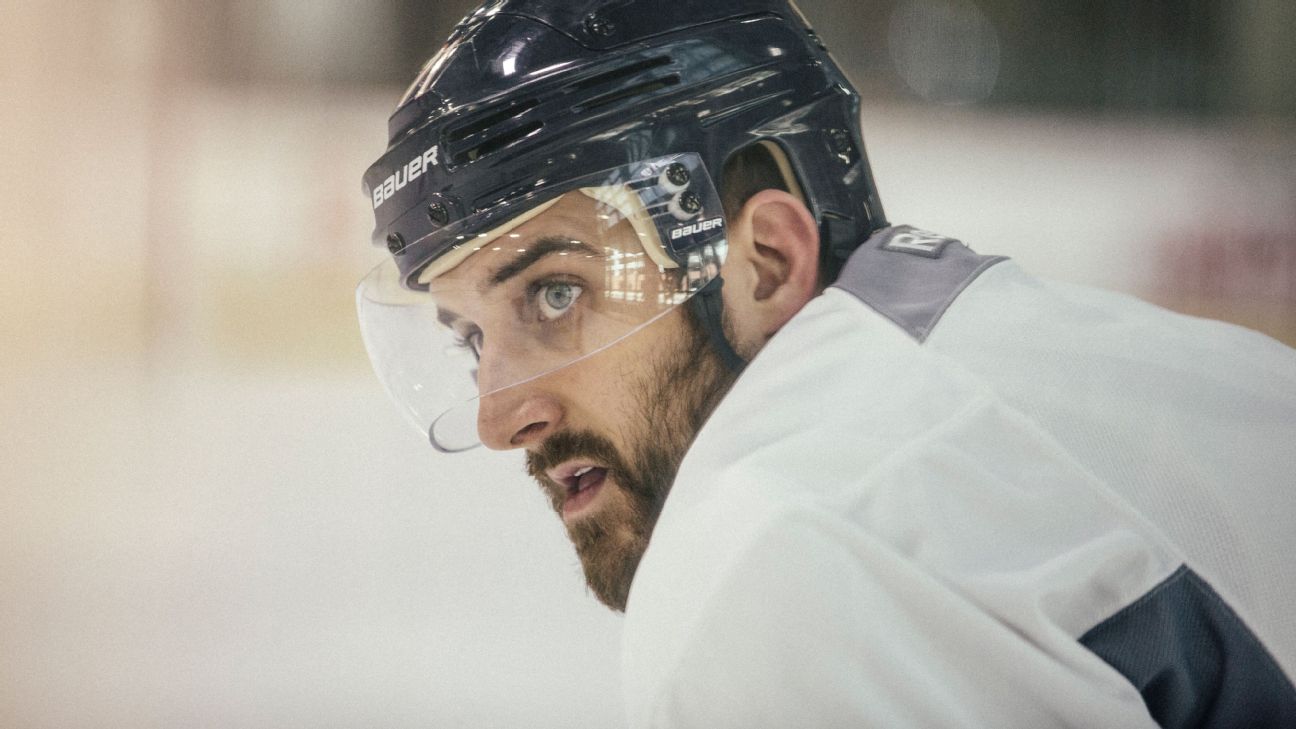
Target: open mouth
[{"x": 583, "y": 482}]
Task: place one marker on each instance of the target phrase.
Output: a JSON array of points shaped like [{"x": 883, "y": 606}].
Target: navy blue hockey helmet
[{"x": 635, "y": 105}]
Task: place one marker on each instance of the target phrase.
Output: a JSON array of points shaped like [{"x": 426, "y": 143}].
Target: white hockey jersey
[{"x": 948, "y": 494}]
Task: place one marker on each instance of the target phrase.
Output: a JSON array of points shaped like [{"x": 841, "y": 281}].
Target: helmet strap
[
  {"x": 838, "y": 239},
  {"x": 708, "y": 306}
]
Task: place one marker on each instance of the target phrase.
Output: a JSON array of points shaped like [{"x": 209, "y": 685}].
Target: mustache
[{"x": 566, "y": 445}]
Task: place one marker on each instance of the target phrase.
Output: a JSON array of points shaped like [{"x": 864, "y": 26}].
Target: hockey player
[{"x": 835, "y": 472}]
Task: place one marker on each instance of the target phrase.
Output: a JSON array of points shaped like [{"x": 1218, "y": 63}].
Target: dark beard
[{"x": 678, "y": 391}]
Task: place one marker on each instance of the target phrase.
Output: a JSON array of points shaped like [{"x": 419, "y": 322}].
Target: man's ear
[{"x": 772, "y": 269}]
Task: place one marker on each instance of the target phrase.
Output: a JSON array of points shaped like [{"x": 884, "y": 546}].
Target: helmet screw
[
  {"x": 677, "y": 174},
  {"x": 438, "y": 214},
  {"x": 690, "y": 203},
  {"x": 599, "y": 26},
  {"x": 395, "y": 243},
  {"x": 674, "y": 178},
  {"x": 841, "y": 141}
]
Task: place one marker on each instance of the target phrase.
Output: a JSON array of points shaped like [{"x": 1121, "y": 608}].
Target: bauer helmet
[{"x": 560, "y": 150}]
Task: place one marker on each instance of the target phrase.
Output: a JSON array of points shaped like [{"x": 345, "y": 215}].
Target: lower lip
[{"x": 581, "y": 500}]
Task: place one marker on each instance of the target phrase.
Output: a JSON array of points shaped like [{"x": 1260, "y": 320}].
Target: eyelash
[{"x": 471, "y": 342}]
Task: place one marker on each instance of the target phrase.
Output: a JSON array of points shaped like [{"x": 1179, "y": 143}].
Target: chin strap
[{"x": 709, "y": 307}]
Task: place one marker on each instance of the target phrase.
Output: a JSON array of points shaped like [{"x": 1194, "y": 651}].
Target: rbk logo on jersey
[
  {"x": 920, "y": 242},
  {"x": 405, "y": 175}
]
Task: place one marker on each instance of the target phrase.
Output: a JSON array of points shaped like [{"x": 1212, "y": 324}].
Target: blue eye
[{"x": 555, "y": 299}]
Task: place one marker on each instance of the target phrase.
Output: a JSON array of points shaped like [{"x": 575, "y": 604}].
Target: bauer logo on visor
[
  {"x": 523, "y": 290},
  {"x": 702, "y": 227}
]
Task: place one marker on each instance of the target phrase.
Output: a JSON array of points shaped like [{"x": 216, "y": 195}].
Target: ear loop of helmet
[{"x": 708, "y": 306}]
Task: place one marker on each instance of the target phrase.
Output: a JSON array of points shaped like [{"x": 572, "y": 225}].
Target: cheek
[
  {"x": 606, "y": 390},
  {"x": 600, "y": 392}
]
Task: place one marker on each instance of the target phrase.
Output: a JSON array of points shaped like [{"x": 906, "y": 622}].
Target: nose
[
  {"x": 512, "y": 415},
  {"x": 517, "y": 417}
]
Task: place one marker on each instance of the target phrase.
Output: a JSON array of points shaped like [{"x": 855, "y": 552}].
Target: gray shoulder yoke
[{"x": 911, "y": 276}]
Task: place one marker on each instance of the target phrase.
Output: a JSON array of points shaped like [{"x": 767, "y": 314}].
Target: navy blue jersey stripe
[{"x": 1193, "y": 660}]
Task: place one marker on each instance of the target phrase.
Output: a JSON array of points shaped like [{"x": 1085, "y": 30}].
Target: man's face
[{"x": 604, "y": 429}]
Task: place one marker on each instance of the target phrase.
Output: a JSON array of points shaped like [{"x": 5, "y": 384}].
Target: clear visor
[{"x": 505, "y": 303}]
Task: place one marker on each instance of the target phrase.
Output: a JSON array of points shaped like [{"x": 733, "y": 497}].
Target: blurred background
[{"x": 210, "y": 516}]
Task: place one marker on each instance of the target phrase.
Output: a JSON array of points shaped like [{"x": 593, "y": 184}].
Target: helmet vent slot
[
  {"x": 496, "y": 143},
  {"x": 643, "y": 89},
  {"x": 486, "y": 122},
  {"x": 620, "y": 73}
]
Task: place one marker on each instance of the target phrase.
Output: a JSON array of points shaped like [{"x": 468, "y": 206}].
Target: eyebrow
[{"x": 542, "y": 248}]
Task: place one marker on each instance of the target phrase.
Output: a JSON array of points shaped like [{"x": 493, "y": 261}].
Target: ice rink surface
[{"x": 203, "y": 549}]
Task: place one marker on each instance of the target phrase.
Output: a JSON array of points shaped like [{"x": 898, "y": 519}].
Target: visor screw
[
  {"x": 677, "y": 174},
  {"x": 438, "y": 214},
  {"x": 395, "y": 243},
  {"x": 599, "y": 26},
  {"x": 690, "y": 203}
]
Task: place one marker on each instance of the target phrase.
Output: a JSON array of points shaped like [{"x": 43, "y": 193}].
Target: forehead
[{"x": 575, "y": 217}]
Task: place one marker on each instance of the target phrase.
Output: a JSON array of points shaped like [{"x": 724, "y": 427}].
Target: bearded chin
[
  {"x": 610, "y": 545},
  {"x": 676, "y": 398},
  {"x": 612, "y": 540}
]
